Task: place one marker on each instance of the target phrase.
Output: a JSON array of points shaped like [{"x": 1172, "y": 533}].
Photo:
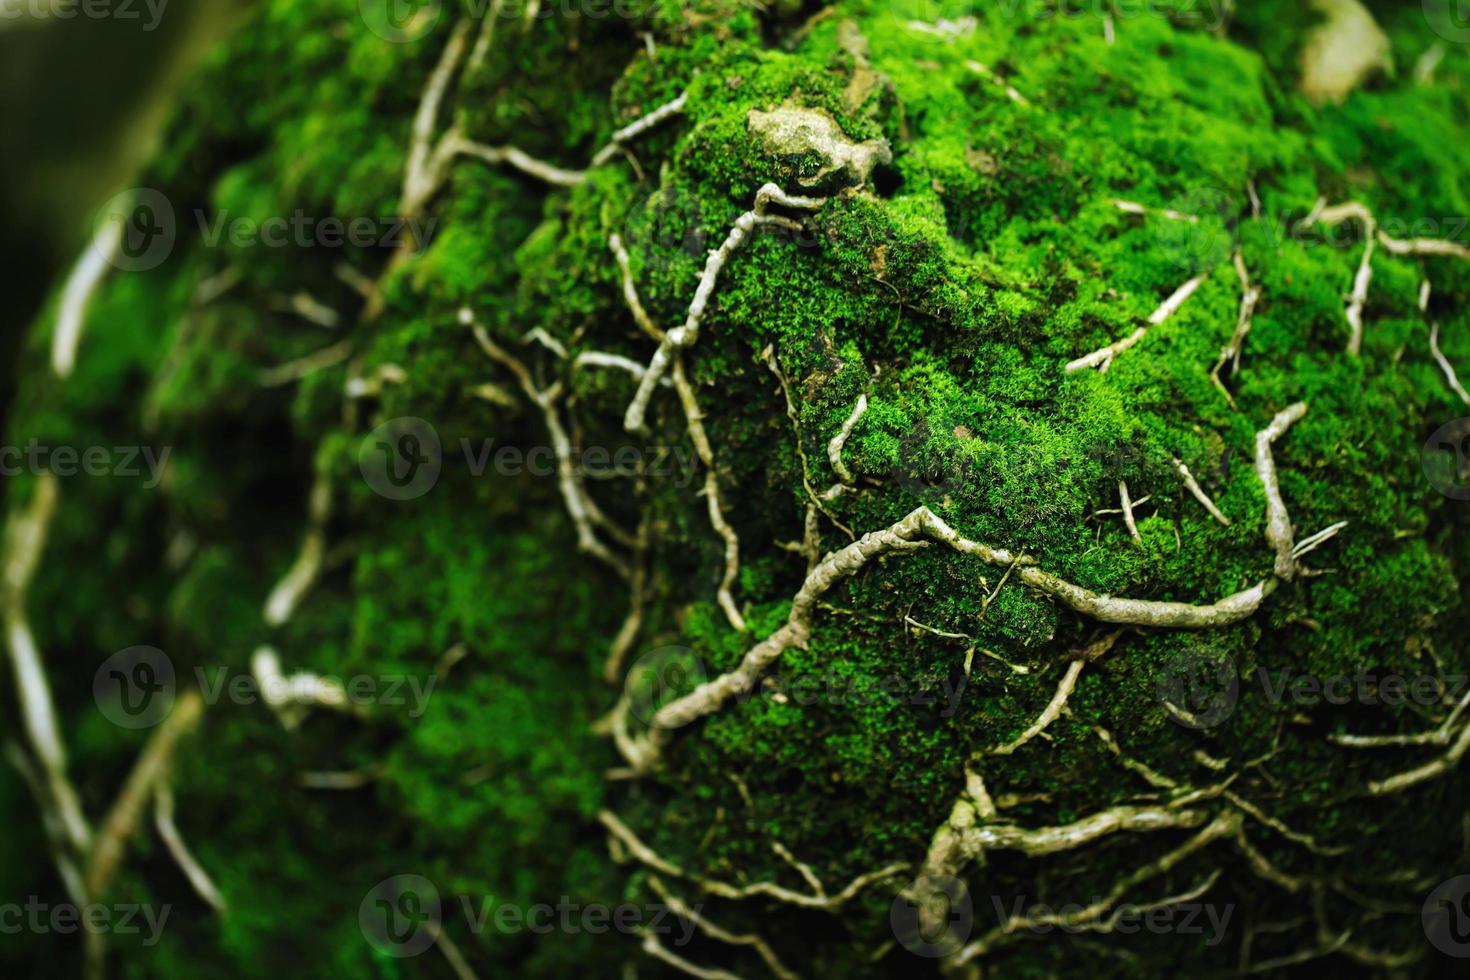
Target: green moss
[{"x": 950, "y": 290}]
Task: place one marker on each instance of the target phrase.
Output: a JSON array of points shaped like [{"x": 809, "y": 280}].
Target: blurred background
[{"x": 82, "y": 102}]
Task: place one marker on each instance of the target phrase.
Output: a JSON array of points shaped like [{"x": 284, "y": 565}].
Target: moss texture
[{"x": 950, "y": 288}]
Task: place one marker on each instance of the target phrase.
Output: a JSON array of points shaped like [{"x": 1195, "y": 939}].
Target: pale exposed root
[
  {"x": 593, "y": 358},
  {"x": 1263, "y": 868},
  {"x": 291, "y": 698},
  {"x": 684, "y": 336},
  {"x": 1133, "y": 207},
  {"x": 580, "y": 507},
  {"x": 76, "y": 295},
  {"x": 1314, "y": 541},
  {"x": 428, "y": 162},
  {"x": 1358, "y": 297},
  {"x": 638, "y": 127},
  {"x": 63, "y": 851},
  {"x": 1445, "y": 366},
  {"x": 1094, "y": 917},
  {"x": 1279, "y": 533},
  {"x": 371, "y": 386},
  {"x": 1335, "y": 215},
  {"x": 308, "y": 308},
  {"x": 630, "y": 293},
  {"x": 1295, "y": 836},
  {"x": 1424, "y": 247},
  {"x": 302, "y": 575},
  {"x": 972, "y": 828},
  {"x": 769, "y": 356},
  {"x": 340, "y": 781},
  {"x": 753, "y": 940},
  {"x": 1432, "y": 769},
  {"x": 25, "y": 539},
  {"x": 153, "y": 765},
  {"x": 906, "y": 535},
  {"x": 985, "y": 72},
  {"x": 655, "y": 948},
  {"x": 762, "y": 889},
  {"x": 694, "y": 420},
  {"x": 1126, "y": 503},
  {"x": 1049, "y": 714},
  {"x": 1149, "y": 775},
  {"x": 168, "y": 832},
  {"x": 520, "y": 160},
  {"x": 1250, "y": 295},
  {"x": 1441, "y": 735},
  {"x": 486, "y": 36},
  {"x": 303, "y": 367},
  {"x": 627, "y": 634},
  {"x": 453, "y": 955},
  {"x": 937, "y": 632},
  {"x": 1192, "y": 485},
  {"x": 540, "y": 336},
  {"x": 835, "y": 446},
  {"x": 1103, "y": 359}
]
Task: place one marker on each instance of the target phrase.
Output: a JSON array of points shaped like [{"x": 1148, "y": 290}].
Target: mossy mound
[{"x": 970, "y": 244}]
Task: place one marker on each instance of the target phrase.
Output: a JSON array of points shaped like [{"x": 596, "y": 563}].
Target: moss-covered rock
[{"x": 970, "y": 244}]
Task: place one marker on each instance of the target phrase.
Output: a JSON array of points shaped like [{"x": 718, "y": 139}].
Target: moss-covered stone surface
[{"x": 968, "y": 247}]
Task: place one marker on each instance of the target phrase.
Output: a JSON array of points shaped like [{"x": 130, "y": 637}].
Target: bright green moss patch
[{"x": 950, "y": 284}]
